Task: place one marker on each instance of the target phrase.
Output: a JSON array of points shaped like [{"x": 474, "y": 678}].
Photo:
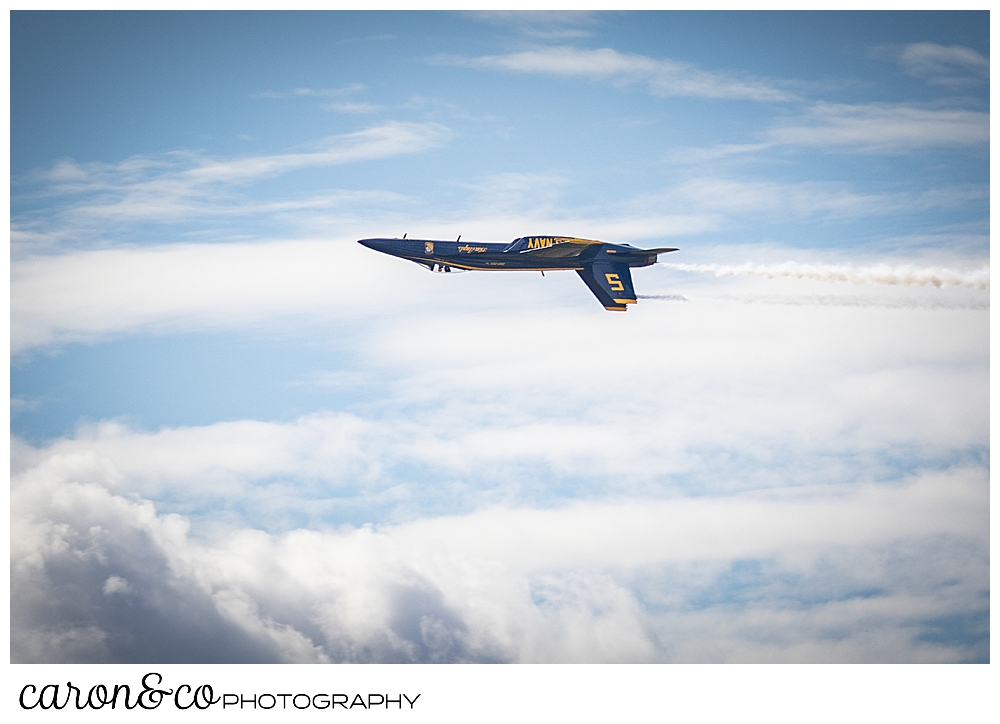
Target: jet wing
[{"x": 610, "y": 283}]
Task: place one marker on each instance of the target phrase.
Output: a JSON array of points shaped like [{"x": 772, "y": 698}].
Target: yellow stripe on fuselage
[{"x": 449, "y": 262}]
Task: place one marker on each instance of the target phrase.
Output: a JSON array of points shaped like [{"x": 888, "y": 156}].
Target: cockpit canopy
[{"x": 526, "y": 243}]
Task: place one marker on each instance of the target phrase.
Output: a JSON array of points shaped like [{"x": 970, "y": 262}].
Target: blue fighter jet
[{"x": 603, "y": 267}]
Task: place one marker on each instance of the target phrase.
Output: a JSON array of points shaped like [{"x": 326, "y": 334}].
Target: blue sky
[{"x": 779, "y": 454}]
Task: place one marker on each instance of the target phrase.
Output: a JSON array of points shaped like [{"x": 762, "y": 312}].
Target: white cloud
[
  {"x": 499, "y": 395},
  {"x": 543, "y": 25},
  {"x": 880, "y": 128},
  {"x": 554, "y": 585},
  {"x": 311, "y": 92},
  {"x": 736, "y": 198},
  {"x": 357, "y": 108},
  {"x": 390, "y": 139},
  {"x": 82, "y": 295},
  {"x": 724, "y": 150},
  {"x": 503, "y": 205},
  {"x": 116, "y": 585},
  {"x": 546, "y": 398},
  {"x": 883, "y": 127},
  {"x": 182, "y": 186},
  {"x": 646, "y": 533},
  {"x": 663, "y": 77},
  {"x": 955, "y": 66},
  {"x": 738, "y": 484}
]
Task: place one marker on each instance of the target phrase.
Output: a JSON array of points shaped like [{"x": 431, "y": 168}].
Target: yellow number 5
[{"x": 614, "y": 282}]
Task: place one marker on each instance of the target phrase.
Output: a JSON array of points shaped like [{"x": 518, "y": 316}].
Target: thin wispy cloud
[
  {"x": 311, "y": 92},
  {"x": 544, "y": 24},
  {"x": 185, "y": 185},
  {"x": 663, "y": 77},
  {"x": 724, "y": 150},
  {"x": 735, "y": 198},
  {"x": 183, "y": 170},
  {"x": 367, "y": 39},
  {"x": 390, "y": 139},
  {"x": 874, "y": 128},
  {"x": 953, "y": 66},
  {"x": 883, "y": 128},
  {"x": 356, "y": 108}
]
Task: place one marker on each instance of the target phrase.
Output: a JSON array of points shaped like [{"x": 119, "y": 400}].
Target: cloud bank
[
  {"x": 97, "y": 577},
  {"x": 748, "y": 505}
]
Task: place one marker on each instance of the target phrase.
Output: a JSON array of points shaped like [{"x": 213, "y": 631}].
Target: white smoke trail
[
  {"x": 880, "y": 274},
  {"x": 663, "y": 297},
  {"x": 925, "y": 302}
]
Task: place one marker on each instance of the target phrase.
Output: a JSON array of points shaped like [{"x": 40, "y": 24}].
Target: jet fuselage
[{"x": 603, "y": 267}]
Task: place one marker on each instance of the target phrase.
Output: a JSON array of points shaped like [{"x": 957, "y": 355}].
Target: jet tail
[{"x": 610, "y": 283}]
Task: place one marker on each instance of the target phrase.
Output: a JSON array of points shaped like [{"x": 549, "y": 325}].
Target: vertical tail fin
[{"x": 610, "y": 283}]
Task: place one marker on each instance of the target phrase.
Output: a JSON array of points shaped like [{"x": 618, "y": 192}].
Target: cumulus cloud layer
[
  {"x": 98, "y": 577},
  {"x": 736, "y": 496}
]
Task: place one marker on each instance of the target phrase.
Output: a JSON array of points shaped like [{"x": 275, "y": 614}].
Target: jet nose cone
[
  {"x": 386, "y": 246},
  {"x": 383, "y": 245}
]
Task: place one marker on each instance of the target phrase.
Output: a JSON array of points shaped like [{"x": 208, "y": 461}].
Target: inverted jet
[{"x": 603, "y": 267}]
